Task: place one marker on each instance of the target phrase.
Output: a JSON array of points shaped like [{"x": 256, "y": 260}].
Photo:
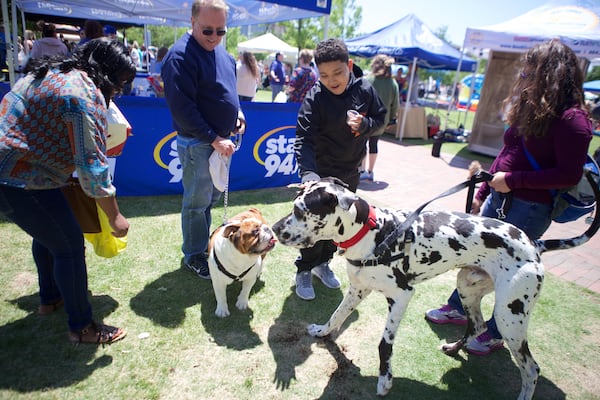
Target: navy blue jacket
[{"x": 200, "y": 89}]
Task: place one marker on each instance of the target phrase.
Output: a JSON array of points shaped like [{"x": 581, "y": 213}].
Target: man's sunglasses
[{"x": 209, "y": 32}]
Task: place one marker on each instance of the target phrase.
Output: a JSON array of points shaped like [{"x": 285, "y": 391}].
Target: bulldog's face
[
  {"x": 250, "y": 235},
  {"x": 319, "y": 213}
]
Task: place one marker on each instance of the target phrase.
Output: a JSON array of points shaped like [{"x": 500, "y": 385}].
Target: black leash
[{"x": 481, "y": 176}]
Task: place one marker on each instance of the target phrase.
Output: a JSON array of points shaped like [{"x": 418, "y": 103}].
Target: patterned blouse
[
  {"x": 303, "y": 79},
  {"x": 50, "y": 128}
]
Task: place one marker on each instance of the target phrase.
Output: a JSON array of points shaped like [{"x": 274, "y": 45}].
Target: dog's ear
[
  {"x": 345, "y": 199},
  {"x": 362, "y": 211},
  {"x": 231, "y": 228}
]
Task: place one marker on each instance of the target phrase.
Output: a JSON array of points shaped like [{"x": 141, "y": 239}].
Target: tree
[
  {"x": 344, "y": 19},
  {"x": 593, "y": 75}
]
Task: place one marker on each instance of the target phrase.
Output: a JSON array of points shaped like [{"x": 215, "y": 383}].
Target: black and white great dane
[{"x": 492, "y": 256}]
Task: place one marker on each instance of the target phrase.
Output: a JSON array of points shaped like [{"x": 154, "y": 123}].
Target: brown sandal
[
  {"x": 47, "y": 309},
  {"x": 98, "y": 334}
]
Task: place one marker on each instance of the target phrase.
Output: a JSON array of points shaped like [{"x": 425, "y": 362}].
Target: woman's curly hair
[
  {"x": 549, "y": 82},
  {"x": 106, "y": 62}
]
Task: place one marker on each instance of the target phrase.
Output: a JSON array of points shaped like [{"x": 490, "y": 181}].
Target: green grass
[{"x": 263, "y": 352}]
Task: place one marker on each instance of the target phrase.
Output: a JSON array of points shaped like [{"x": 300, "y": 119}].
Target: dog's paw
[
  {"x": 451, "y": 349},
  {"x": 241, "y": 304},
  {"x": 384, "y": 384},
  {"x": 316, "y": 330},
  {"x": 222, "y": 312}
]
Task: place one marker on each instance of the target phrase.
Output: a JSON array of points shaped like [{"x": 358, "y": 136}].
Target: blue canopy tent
[
  {"x": 410, "y": 41},
  {"x": 159, "y": 12},
  {"x": 407, "y": 39},
  {"x": 175, "y": 12}
]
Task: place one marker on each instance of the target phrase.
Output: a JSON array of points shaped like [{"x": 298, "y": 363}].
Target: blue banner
[{"x": 150, "y": 165}]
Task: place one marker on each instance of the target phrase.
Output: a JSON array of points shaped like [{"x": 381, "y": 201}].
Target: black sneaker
[{"x": 199, "y": 266}]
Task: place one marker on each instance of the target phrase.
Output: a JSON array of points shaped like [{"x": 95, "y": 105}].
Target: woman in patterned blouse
[{"x": 52, "y": 124}]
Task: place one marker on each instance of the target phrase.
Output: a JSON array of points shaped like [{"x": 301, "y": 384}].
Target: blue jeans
[
  {"x": 199, "y": 196},
  {"x": 58, "y": 248},
  {"x": 532, "y": 218},
  {"x": 275, "y": 88}
]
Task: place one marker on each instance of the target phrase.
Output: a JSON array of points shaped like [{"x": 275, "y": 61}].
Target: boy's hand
[{"x": 354, "y": 120}]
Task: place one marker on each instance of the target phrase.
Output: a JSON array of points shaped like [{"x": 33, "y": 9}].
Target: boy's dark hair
[{"x": 331, "y": 50}]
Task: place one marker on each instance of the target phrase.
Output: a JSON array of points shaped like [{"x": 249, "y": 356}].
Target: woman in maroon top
[{"x": 546, "y": 114}]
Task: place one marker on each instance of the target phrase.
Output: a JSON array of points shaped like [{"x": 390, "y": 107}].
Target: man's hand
[{"x": 223, "y": 146}]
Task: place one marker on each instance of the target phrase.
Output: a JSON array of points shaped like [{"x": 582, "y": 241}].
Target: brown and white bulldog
[{"x": 236, "y": 252}]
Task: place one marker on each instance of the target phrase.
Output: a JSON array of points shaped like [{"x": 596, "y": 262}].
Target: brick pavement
[{"x": 407, "y": 176}]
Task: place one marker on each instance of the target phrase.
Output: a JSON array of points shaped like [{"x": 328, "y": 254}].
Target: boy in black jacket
[{"x": 328, "y": 143}]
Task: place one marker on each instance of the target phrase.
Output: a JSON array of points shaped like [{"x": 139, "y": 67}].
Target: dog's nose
[{"x": 278, "y": 226}]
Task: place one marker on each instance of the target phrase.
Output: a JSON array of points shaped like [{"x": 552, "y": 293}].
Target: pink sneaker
[
  {"x": 446, "y": 315},
  {"x": 484, "y": 344}
]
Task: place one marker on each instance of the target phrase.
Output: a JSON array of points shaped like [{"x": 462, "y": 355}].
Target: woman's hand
[
  {"x": 476, "y": 206},
  {"x": 119, "y": 225},
  {"x": 498, "y": 183}
]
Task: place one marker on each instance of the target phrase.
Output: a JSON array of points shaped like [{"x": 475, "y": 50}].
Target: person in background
[
  {"x": 277, "y": 75},
  {"x": 156, "y": 64},
  {"x": 136, "y": 54},
  {"x": 547, "y": 116},
  {"x": 248, "y": 76},
  {"x": 387, "y": 89},
  {"x": 29, "y": 39},
  {"x": 147, "y": 57},
  {"x": 303, "y": 78},
  {"x": 110, "y": 32},
  {"x": 92, "y": 29},
  {"x": 49, "y": 44},
  {"x": 330, "y": 144},
  {"x": 200, "y": 91},
  {"x": 39, "y": 151}
]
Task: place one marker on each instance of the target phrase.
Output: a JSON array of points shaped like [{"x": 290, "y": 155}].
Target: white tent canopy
[
  {"x": 574, "y": 22},
  {"x": 269, "y": 43}
]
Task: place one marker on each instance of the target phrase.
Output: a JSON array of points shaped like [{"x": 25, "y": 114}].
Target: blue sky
[{"x": 457, "y": 15}]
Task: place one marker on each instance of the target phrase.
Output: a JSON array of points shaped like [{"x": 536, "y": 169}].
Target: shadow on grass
[
  {"x": 35, "y": 366},
  {"x": 165, "y": 301},
  {"x": 501, "y": 378},
  {"x": 288, "y": 338}
]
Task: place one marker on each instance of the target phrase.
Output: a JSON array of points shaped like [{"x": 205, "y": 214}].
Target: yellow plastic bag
[{"x": 105, "y": 244}]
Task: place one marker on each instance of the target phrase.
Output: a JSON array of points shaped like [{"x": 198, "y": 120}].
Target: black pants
[{"x": 323, "y": 250}]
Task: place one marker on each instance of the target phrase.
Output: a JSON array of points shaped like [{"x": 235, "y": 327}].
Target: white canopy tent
[
  {"x": 269, "y": 43},
  {"x": 575, "y": 22}
]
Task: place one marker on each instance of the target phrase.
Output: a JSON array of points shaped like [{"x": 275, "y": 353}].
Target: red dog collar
[{"x": 371, "y": 223}]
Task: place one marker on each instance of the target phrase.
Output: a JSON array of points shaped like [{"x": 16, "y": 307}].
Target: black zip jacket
[{"x": 324, "y": 142}]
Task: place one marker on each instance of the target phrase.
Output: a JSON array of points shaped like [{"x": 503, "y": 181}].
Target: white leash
[{"x": 237, "y": 141}]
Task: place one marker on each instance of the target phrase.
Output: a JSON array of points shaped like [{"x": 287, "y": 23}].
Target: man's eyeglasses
[{"x": 209, "y": 32}]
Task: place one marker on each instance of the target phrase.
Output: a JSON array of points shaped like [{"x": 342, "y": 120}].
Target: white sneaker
[
  {"x": 304, "y": 286},
  {"x": 326, "y": 275}
]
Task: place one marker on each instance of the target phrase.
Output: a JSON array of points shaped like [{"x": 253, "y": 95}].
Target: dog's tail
[{"x": 561, "y": 244}]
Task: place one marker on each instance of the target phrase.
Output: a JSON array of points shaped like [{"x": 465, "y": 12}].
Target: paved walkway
[{"x": 407, "y": 175}]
